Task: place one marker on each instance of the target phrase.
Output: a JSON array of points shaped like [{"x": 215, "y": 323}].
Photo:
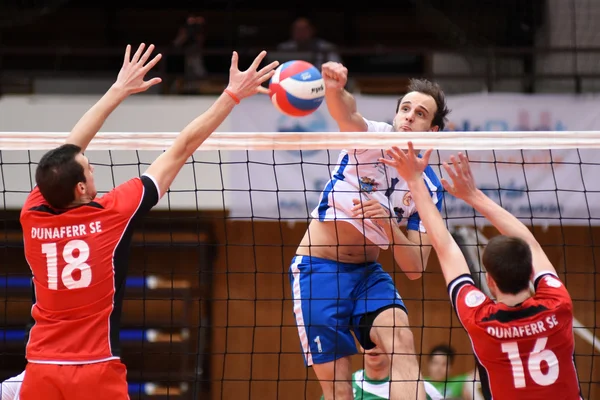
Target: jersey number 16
[
  {"x": 538, "y": 355},
  {"x": 73, "y": 263}
]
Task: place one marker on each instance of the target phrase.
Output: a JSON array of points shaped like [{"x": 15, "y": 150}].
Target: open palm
[{"x": 134, "y": 70}]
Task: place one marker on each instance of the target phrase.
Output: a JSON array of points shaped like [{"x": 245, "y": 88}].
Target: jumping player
[
  {"x": 523, "y": 344},
  {"x": 77, "y": 245},
  {"x": 338, "y": 286}
]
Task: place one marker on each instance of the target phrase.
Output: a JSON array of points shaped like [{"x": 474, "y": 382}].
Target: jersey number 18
[{"x": 73, "y": 263}]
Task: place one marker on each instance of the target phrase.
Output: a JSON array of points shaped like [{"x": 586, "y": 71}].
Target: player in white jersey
[
  {"x": 338, "y": 286},
  {"x": 11, "y": 387},
  {"x": 373, "y": 381}
]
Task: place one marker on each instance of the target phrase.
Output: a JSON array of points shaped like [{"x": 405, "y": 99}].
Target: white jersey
[
  {"x": 11, "y": 387},
  {"x": 359, "y": 175}
]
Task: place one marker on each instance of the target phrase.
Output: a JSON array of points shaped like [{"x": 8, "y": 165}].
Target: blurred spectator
[
  {"x": 317, "y": 51},
  {"x": 440, "y": 374},
  {"x": 191, "y": 38},
  {"x": 194, "y": 67}
]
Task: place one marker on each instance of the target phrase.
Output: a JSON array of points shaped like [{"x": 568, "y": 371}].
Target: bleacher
[{"x": 381, "y": 46}]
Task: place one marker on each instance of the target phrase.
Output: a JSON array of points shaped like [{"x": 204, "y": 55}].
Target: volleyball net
[{"x": 208, "y": 306}]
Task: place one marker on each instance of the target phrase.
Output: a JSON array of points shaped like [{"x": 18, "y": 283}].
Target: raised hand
[
  {"x": 249, "y": 82},
  {"x": 335, "y": 75},
  {"x": 132, "y": 73},
  {"x": 463, "y": 184},
  {"x": 408, "y": 164}
]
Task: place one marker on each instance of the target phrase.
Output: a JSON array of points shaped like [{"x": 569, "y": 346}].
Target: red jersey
[
  {"x": 526, "y": 351},
  {"x": 78, "y": 258}
]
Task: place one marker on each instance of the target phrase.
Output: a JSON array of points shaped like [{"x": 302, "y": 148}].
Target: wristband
[{"x": 233, "y": 96}]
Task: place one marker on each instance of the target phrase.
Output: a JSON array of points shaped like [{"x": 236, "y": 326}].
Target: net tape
[{"x": 523, "y": 140}]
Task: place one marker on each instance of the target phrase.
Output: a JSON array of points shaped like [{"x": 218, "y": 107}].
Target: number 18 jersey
[
  {"x": 526, "y": 351},
  {"x": 78, "y": 258}
]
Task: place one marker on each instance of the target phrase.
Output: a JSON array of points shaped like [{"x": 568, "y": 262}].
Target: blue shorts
[{"x": 330, "y": 298}]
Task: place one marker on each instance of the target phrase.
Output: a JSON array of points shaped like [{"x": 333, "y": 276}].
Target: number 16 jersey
[
  {"x": 525, "y": 351},
  {"x": 78, "y": 258}
]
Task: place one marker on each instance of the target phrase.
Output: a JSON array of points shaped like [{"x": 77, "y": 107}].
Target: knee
[
  {"x": 403, "y": 339},
  {"x": 390, "y": 331}
]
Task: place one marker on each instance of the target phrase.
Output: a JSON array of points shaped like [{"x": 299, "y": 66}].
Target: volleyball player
[
  {"x": 338, "y": 286},
  {"x": 373, "y": 381},
  {"x": 523, "y": 344},
  {"x": 9, "y": 390},
  {"x": 77, "y": 245}
]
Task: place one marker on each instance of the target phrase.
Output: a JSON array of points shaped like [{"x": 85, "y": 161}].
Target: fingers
[
  {"x": 234, "y": 61},
  {"x": 370, "y": 212},
  {"x": 426, "y": 156},
  {"x": 358, "y": 204},
  {"x": 269, "y": 68},
  {"x": 151, "y": 82},
  {"x": 396, "y": 154},
  {"x": 446, "y": 185},
  {"x": 266, "y": 77},
  {"x": 464, "y": 164},
  {"x": 146, "y": 55},
  {"x": 449, "y": 170},
  {"x": 263, "y": 90},
  {"x": 127, "y": 54},
  {"x": 411, "y": 150},
  {"x": 258, "y": 60},
  {"x": 138, "y": 53},
  {"x": 152, "y": 63},
  {"x": 391, "y": 163},
  {"x": 456, "y": 166}
]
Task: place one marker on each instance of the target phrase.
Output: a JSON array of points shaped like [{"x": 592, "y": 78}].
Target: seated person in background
[
  {"x": 193, "y": 66},
  {"x": 304, "y": 41},
  {"x": 439, "y": 368},
  {"x": 373, "y": 382}
]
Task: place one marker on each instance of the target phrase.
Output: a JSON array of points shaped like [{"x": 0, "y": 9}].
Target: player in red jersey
[
  {"x": 77, "y": 245},
  {"x": 524, "y": 344}
]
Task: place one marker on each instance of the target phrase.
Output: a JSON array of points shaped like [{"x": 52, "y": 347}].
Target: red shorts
[{"x": 98, "y": 381}]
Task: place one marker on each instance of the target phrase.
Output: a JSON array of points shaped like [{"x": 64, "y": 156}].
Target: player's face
[
  {"x": 416, "y": 113},
  {"x": 88, "y": 171},
  {"x": 438, "y": 365},
  {"x": 375, "y": 359}
]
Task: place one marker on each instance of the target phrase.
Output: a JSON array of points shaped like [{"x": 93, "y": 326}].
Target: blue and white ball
[{"x": 296, "y": 89}]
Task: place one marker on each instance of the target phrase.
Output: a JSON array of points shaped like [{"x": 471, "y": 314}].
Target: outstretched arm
[
  {"x": 463, "y": 187},
  {"x": 241, "y": 85},
  {"x": 410, "y": 167},
  {"x": 129, "y": 81},
  {"x": 341, "y": 104}
]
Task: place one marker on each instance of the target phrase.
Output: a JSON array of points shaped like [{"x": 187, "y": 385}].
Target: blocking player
[
  {"x": 523, "y": 344},
  {"x": 77, "y": 244},
  {"x": 338, "y": 286}
]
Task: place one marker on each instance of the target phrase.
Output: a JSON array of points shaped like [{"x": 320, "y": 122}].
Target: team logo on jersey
[
  {"x": 474, "y": 298},
  {"x": 407, "y": 199},
  {"x": 553, "y": 282},
  {"x": 399, "y": 212},
  {"x": 368, "y": 184}
]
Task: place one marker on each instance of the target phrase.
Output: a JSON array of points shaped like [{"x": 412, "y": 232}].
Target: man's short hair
[
  {"x": 444, "y": 350},
  {"x": 431, "y": 89},
  {"x": 57, "y": 175},
  {"x": 508, "y": 260}
]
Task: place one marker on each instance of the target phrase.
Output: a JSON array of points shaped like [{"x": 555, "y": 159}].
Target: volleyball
[{"x": 296, "y": 89}]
